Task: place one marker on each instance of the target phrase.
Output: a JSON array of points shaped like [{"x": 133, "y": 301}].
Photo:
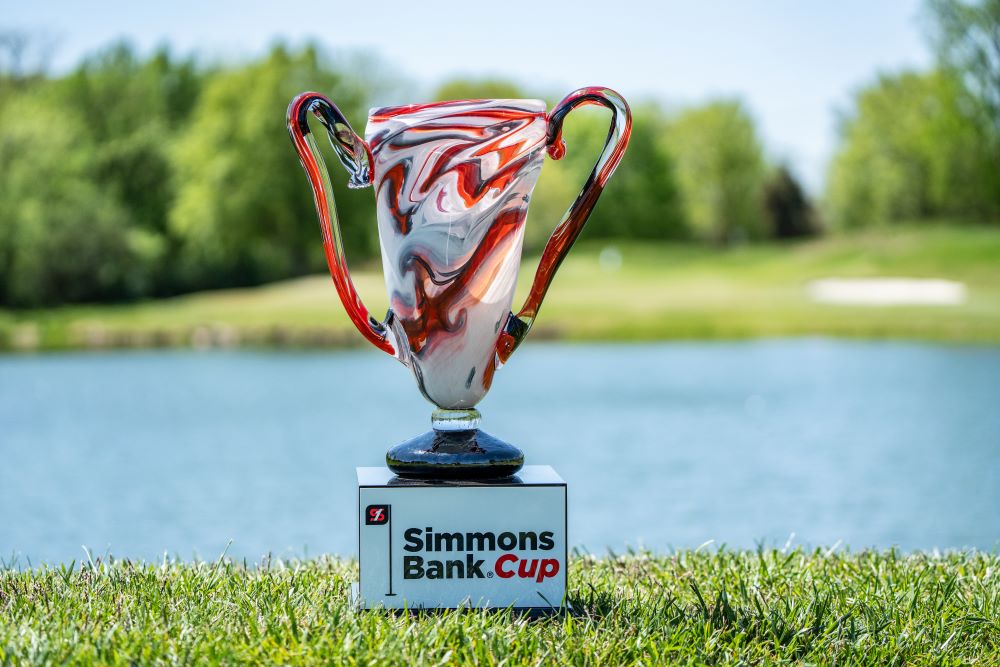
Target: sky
[{"x": 794, "y": 63}]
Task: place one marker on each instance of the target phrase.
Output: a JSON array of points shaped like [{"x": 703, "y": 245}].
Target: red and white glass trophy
[{"x": 452, "y": 183}]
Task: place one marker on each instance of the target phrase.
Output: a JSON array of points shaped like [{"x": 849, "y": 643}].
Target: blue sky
[{"x": 794, "y": 63}]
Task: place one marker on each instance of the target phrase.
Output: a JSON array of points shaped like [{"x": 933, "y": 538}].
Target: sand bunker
[{"x": 887, "y": 291}]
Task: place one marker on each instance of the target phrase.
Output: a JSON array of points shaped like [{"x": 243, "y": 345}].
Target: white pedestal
[{"x": 462, "y": 543}]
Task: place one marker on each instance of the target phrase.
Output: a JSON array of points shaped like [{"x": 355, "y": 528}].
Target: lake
[{"x": 814, "y": 441}]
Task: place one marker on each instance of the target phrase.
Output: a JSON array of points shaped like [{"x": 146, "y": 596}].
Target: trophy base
[
  {"x": 447, "y": 455},
  {"x": 449, "y": 544}
]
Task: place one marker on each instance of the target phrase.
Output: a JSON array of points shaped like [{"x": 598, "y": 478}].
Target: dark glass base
[{"x": 471, "y": 454}]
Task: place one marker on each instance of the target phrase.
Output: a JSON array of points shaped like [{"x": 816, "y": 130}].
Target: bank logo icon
[{"x": 376, "y": 515}]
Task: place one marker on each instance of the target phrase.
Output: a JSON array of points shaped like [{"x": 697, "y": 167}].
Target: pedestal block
[{"x": 446, "y": 544}]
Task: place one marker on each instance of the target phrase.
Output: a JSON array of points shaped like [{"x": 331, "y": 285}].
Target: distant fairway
[{"x": 639, "y": 291}]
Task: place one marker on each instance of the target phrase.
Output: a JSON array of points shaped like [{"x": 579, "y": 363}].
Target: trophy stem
[
  {"x": 456, "y": 420},
  {"x": 455, "y": 449}
]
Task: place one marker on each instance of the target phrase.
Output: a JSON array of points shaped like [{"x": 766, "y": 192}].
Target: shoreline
[{"x": 279, "y": 338}]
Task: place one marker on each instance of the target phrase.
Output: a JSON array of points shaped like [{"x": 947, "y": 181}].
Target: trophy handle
[
  {"x": 572, "y": 222},
  {"x": 356, "y": 157}
]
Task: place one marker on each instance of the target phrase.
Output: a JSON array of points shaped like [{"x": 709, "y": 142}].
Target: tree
[
  {"x": 966, "y": 36},
  {"x": 967, "y": 39},
  {"x": 642, "y": 200},
  {"x": 131, "y": 111},
  {"x": 63, "y": 238},
  {"x": 921, "y": 146},
  {"x": 85, "y": 200},
  {"x": 721, "y": 171},
  {"x": 244, "y": 213},
  {"x": 911, "y": 151},
  {"x": 788, "y": 211}
]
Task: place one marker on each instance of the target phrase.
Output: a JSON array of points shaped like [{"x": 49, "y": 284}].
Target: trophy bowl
[{"x": 452, "y": 184}]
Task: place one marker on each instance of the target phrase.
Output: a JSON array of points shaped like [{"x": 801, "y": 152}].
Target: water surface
[{"x": 663, "y": 445}]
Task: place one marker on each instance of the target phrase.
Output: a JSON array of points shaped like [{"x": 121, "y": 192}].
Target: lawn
[
  {"x": 659, "y": 291},
  {"x": 690, "y": 607}
]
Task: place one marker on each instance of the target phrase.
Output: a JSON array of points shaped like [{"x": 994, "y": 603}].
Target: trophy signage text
[{"x": 501, "y": 543}]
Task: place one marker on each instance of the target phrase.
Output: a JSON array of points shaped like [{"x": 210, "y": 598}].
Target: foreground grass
[
  {"x": 879, "y": 608},
  {"x": 660, "y": 291}
]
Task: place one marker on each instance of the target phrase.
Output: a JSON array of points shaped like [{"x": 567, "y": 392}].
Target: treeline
[
  {"x": 926, "y": 145},
  {"x": 135, "y": 177}
]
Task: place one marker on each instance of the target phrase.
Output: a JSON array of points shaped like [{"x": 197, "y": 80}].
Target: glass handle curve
[
  {"x": 569, "y": 228},
  {"x": 356, "y": 157}
]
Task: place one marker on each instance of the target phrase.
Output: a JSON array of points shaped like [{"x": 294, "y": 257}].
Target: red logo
[{"x": 376, "y": 515}]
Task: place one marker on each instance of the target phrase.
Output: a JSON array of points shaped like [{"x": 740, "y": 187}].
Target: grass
[
  {"x": 723, "y": 607},
  {"x": 661, "y": 291}
]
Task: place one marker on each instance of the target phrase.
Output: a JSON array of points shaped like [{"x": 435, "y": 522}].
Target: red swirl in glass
[{"x": 453, "y": 181}]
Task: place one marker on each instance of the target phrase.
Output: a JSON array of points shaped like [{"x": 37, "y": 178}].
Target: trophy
[{"x": 452, "y": 184}]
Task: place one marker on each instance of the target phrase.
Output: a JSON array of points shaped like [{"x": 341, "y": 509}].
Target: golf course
[{"x": 603, "y": 292}]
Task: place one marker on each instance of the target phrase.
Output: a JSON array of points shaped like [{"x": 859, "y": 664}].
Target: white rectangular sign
[{"x": 453, "y": 544}]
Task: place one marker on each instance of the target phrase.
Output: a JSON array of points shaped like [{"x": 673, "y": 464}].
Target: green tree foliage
[
  {"x": 132, "y": 110},
  {"x": 911, "y": 151},
  {"x": 967, "y": 38},
  {"x": 642, "y": 200},
  {"x": 86, "y": 183},
  {"x": 926, "y": 145},
  {"x": 787, "y": 209},
  {"x": 721, "y": 171},
  {"x": 135, "y": 176},
  {"x": 62, "y": 236},
  {"x": 244, "y": 212}
]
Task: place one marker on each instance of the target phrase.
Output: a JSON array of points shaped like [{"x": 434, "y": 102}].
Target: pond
[{"x": 814, "y": 441}]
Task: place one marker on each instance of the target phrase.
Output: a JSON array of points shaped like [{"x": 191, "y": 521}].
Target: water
[{"x": 666, "y": 445}]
